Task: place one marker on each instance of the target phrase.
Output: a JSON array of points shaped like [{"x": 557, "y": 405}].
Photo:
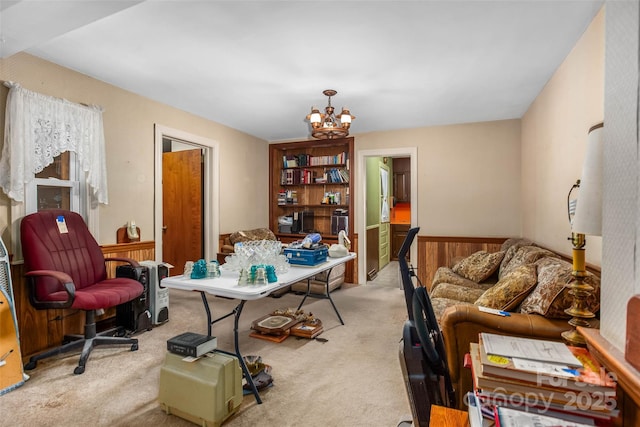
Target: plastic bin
[{"x": 205, "y": 392}]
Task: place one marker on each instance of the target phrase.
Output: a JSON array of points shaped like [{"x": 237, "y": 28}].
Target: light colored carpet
[{"x": 353, "y": 379}]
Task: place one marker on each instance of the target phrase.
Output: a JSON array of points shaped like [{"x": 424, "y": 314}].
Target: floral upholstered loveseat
[{"x": 523, "y": 279}]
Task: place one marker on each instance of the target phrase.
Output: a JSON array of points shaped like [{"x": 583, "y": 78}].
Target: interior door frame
[
  {"x": 412, "y": 153},
  {"x": 211, "y": 202}
]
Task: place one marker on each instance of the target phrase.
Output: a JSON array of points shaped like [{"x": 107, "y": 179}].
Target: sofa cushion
[
  {"x": 456, "y": 292},
  {"x": 441, "y": 304},
  {"x": 551, "y": 297},
  {"x": 446, "y": 275},
  {"x": 520, "y": 241},
  {"x": 479, "y": 266},
  {"x": 512, "y": 246},
  {"x": 524, "y": 255},
  {"x": 509, "y": 292}
]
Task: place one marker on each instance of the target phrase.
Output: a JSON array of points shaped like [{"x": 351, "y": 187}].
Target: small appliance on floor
[
  {"x": 158, "y": 294},
  {"x": 134, "y": 316}
]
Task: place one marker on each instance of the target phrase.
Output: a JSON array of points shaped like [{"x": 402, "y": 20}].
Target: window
[{"x": 58, "y": 186}]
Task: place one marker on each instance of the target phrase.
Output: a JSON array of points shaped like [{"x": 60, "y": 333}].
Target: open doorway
[
  {"x": 372, "y": 235},
  {"x": 186, "y": 225}
]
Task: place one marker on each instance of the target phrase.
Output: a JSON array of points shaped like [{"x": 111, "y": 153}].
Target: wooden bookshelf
[{"x": 308, "y": 163}]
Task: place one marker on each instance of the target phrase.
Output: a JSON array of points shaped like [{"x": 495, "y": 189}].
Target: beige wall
[
  {"x": 129, "y": 133},
  {"x": 468, "y": 176},
  {"x": 554, "y": 136},
  {"x": 503, "y": 178}
]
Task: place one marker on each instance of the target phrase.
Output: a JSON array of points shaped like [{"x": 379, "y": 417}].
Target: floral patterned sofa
[{"x": 523, "y": 279}]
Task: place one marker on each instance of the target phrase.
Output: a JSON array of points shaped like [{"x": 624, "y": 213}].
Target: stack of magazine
[{"x": 518, "y": 379}]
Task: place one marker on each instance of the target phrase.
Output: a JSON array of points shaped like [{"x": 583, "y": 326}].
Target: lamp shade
[{"x": 588, "y": 215}]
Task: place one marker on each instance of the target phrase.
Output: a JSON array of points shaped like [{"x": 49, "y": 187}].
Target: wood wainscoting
[
  {"x": 438, "y": 251},
  {"x": 44, "y": 329}
]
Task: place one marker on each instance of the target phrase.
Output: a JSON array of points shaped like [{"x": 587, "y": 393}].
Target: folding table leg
[
  {"x": 236, "y": 311},
  {"x": 327, "y": 295}
]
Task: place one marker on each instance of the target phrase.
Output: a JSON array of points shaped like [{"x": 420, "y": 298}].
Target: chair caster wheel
[
  {"x": 134, "y": 347},
  {"x": 79, "y": 370},
  {"x": 30, "y": 365}
]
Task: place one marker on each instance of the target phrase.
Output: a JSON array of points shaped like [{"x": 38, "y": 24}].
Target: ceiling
[{"x": 259, "y": 66}]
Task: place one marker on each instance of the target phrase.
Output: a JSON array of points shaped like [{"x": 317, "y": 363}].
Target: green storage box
[{"x": 206, "y": 391}]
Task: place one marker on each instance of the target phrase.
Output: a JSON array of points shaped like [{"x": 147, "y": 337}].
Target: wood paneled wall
[
  {"x": 437, "y": 251},
  {"x": 44, "y": 329},
  {"x": 139, "y": 251}
]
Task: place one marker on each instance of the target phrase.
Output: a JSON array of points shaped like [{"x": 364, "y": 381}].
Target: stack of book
[
  {"x": 192, "y": 344},
  {"x": 540, "y": 378},
  {"x": 296, "y": 176}
]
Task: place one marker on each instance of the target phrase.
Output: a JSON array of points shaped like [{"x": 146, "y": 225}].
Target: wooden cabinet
[
  {"x": 312, "y": 182},
  {"x": 398, "y": 234}
]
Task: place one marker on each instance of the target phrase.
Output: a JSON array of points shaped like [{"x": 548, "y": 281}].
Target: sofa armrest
[{"x": 462, "y": 324}]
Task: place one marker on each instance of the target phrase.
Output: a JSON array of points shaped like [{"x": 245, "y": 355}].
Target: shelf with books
[
  {"x": 308, "y": 176},
  {"x": 328, "y": 165},
  {"x": 313, "y": 205},
  {"x": 320, "y": 184},
  {"x": 314, "y": 178}
]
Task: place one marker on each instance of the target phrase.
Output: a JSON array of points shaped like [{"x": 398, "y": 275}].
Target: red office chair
[{"x": 65, "y": 268}]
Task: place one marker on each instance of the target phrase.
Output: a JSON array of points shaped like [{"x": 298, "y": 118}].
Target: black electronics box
[
  {"x": 340, "y": 221},
  {"x": 191, "y": 344},
  {"x": 303, "y": 222},
  {"x": 134, "y": 316}
]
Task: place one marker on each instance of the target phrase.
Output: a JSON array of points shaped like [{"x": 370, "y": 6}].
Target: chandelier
[{"x": 327, "y": 126}]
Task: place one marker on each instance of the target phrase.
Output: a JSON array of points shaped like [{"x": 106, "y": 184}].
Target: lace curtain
[{"x": 38, "y": 128}]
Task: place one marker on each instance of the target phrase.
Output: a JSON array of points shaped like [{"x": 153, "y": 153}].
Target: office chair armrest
[
  {"x": 129, "y": 261},
  {"x": 65, "y": 280}
]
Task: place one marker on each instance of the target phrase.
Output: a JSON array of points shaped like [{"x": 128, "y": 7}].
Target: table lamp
[{"x": 586, "y": 220}]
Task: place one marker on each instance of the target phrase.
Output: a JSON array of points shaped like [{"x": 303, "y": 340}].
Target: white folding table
[{"x": 227, "y": 286}]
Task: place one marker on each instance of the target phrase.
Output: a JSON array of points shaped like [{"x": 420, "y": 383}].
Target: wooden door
[{"x": 182, "y": 202}]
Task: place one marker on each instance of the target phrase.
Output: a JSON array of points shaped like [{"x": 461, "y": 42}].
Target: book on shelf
[
  {"x": 289, "y": 161},
  {"x": 591, "y": 376},
  {"x": 191, "y": 344},
  {"x": 507, "y": 417},
  {"x": 338, "y": 159},
  {"x": 533, "y": 394},
  {"x": 303, "y": 159}
]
